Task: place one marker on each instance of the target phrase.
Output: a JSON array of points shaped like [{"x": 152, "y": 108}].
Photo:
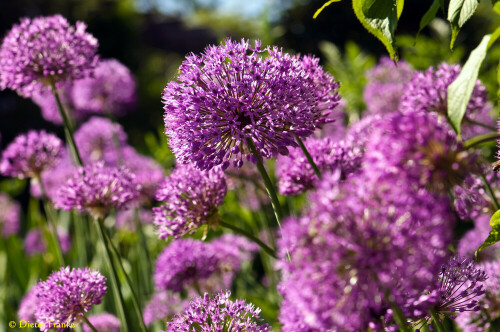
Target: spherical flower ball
[
  {"x": 100, "y": 139},
  {"x": 470, "y": 198},
  {"x": 28, "y": 305},
  {"x": 42, "y": 50},
  {"x": 67, "y": 295},
  {"x": 190, "y": 199},
  {"x": 111, "y": 90},
  {"x": 357, "y": 242},
  {"x": 10, "y": 212},
  {"x": 163, "y": 306},
  {"x": 30, "y": 154},
  {"x": 295, "y": 174},
  {"x": 97, "y": 189},
  {"x": 218, "y": 313},
  {"x": 232, "y": 95},
  {"x": 34, "y": 242},
  {"x": 104, "y": 322},
  {"x": 386, "y": 85}
]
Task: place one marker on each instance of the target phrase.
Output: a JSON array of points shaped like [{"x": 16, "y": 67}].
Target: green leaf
[
  {"x": 380, "y": 18},
  {"x": 498, "y": 79},
  {"x": 400, "y": 4},
  {"x": 429, "y": 16},
  {"x": 460, "y": 91},
  {"x": 494, "y": 235},
  {"x": 496, "y": 6},
  {"x": 459, "y": 12},
  {"x": 326, "y": 4},
  {"x": 494, "y": 36}
]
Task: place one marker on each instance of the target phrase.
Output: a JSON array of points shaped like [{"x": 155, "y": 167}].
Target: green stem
[
  {"x": 50, "y": 213},
  {"x": 120, "y": 304},
  {"x": 267, "y": 182},
  {"x": 250, "y": 236},
  {"x": 490, "y": 191},
  {"x": 135, "y": 301},
  {"x": 476, "y": 140},
  {"x": 437, "y": 322},
  {"x": 92, "y": 327},
  {"x": 309, "y": 158},
  {"x": 480, "y": 124},
  {"x": 400, "y": 319},
  {"x": 147, "y": 266},
  {"x": 68, "y": 128}
]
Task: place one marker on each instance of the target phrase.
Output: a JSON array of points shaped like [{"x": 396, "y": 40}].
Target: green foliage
[
  {"x": 380, "y": 18},
  {"x": 460, "y": 91},
  {"x": 459, "y": 12},
  {"x": 494, "y": 235},
  {"x": 326, "y": 4},
  {"x": 350, "y": 70},
  {"x": 429, "y": 15}
]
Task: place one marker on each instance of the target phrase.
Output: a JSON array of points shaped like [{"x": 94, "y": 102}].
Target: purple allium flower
[
  {"x": 358, "y": 242},
  {"x": 484, "y": 320},
  {"x": 47, "y": 102},
  {"x": 428, "y": 92},
  {"x": 470, "y": 198},
  {"x": 386, "y": 85},
  {"x": 101, "y": 139},
  {"x": 30, "y": 154},
  {"x": 125, "y": 220},
  {"x": 111, "y": 90},
  {"x": 231, "y": 94},
  {"x": 104, "y": 322},
  {"x": 97, "y": 189},
  {"x": 10, "y": 212},
  {"x": 68, "y": 294},
  {"x": 28, "y": 305},
  {"x": 295, "y": 173},
  {"x": 335, "y": 129},
  {"x": 218, "y": 313},
  {"x": 45, "y": 49},
  {"x": 34, "y": 242},
  {"x": 246, "y": 181},
  {"x": 162, "y": 307},
  {"x": 475, "y": 237},
  {"x": 422, "y": 147},
  {"x": 191, "y": 198}
]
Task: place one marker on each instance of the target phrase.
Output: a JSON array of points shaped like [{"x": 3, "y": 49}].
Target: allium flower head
[
  {"x": 110, "y": 90},
  {"x": 232, "y": 94},
  {"x": 30, "y": 154},
  {"x": 218, "y": 313},
  {"x": 386, "y": 85},
  {"x": 422, "y": 147},
  {"x": 295, "y": 173},
  {"x": 68, "y": 294},
  {"x": 191, "y": 198},
  {"x": 101, "y": 139},
  {"x": 104, "y": 322},
  {"x": 34, "y": 243},
  {"x": 162, "y": 307},
  {"x": 10, "y": 212},
  {"x": 45, "y": 49},
  {"x": 97, "y": 189},
  {"x": 28, "y": 305}
]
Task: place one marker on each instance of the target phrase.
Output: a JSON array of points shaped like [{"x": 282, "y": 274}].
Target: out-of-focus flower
[
  {"x": 475, "y": 237},
  {"x": 162, "y": 307},
  {"x": 386, "y": 85},
  {"x": 50, "y": 111},
  {"x": 44, "y": 49},
  {"x": 470, "y": 198},
  {"x": 104, "y": 322},
  {"x": 97, "y": 189},
  {"x": 30, "y": 154},
  {"x": 191, "y": 198},
  {"x": 28, "y": 305},
  {"x": 10, "y": 212},
  {"x": 125, "y": 220},
  {"x": 68, "y": 294},
  {"x": 111, "y": 89},
  {"x": 231, "y": 95},
  {"x": 218, "y": 313},
  {"x": 34, "y": 243}
]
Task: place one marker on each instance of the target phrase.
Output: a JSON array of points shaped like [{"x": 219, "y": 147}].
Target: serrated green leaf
[
  {"x": 326, "y": 4},
  {"x": 429, "y": 15},
  {"x": 459, "y": 12},
  {"x": 460, "y": 91},
  {"x": 494, "y": 235},
  {"x": 380, "y": 18}
]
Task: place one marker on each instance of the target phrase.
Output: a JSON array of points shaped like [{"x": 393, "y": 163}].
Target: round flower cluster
[
  {"x": 110, "y": 90},
  {"x": 97, "y": 189},
  {"x": 162, "y": 307},
  {"x": 30, "y": 154},
  {"x": 386, "y": 85},
  {"x": 34, "y": 243},
  {"x": 68, "y": 294},
  {"x": 10, "y": 212},
  {"x": 104, "y": 322},
  {"x": 191, "y": 198},
  {"x": 218, "y": 313},
  {"x": 43, "y": 50},
  {"x": 231, "y": 99},
  {"x": 28, "y": 306}
]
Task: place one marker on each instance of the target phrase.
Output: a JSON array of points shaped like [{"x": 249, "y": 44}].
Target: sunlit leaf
[
  {"x": 494, "y": 235},
  {"x": 429, "y": 15},
  {"x": 459, "y": 12},
  {"x": 326, "y": 4}
]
